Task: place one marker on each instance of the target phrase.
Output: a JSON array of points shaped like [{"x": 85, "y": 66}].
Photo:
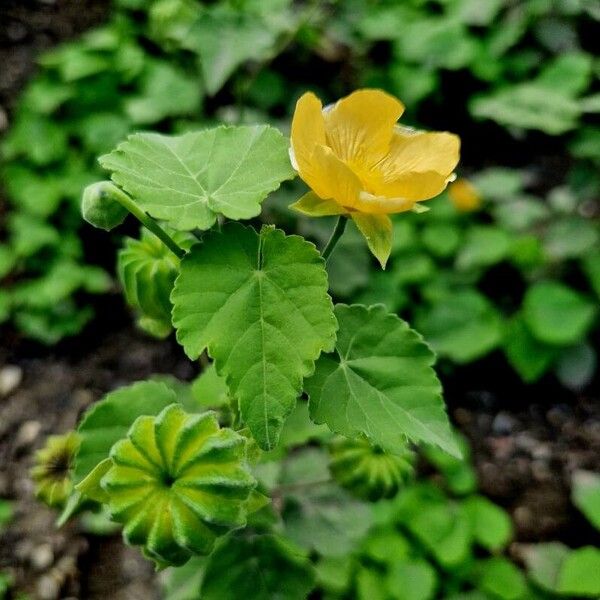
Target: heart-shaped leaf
[
  {"x": 380, "y": 383},
  {"x": 259, "y": 303},
  {"x": 188, "y": 179}
]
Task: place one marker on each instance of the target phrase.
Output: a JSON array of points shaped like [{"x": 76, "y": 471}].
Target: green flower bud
[
  {"x": 52, "y": 469},
  {"x": 178, "y": 482},
  {"x": 367, "y": 470},
  {"x": 99, "y": 206},
  {"x": 147, "y": 271}
]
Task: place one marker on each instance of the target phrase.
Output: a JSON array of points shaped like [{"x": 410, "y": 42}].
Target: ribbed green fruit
[
  {"x": 178, "y": 482},
  {"x": 51, "y": 471},
  {"x": 147, "y": 271},
  {"x": 367, "y": 470}
]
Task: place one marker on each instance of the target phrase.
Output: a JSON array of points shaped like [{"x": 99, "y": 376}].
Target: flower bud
[{"x": 99, "y": 206}]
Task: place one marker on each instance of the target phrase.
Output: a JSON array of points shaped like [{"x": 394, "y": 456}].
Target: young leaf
[
  {"x": 261, "y": 567},
  {"x": 109, "y": 420},
  {"x": 188, "y": 179},
  {"x": 259, "y": 303},
  {"x": 380, "y": 383}
]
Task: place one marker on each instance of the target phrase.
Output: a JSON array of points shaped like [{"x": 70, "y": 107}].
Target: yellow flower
[
  {"x": 360, "y": 163},
  {"x": 464, "y": 195}
]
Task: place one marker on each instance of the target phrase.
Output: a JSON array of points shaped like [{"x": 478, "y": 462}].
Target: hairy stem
[
  {"x": 147, "y": 221},
  {"x": 340, "y": 226}
]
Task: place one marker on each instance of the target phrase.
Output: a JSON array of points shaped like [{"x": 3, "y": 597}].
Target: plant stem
[
  {"x": 147, "y": 221},
  {"x": 340, "y": 226}
]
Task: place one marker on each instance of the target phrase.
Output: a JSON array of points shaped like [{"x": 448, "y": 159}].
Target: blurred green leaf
[
  {"x": 412, "y": 579},
  {"x": 484, "y": 246},
  {"x": 492, "y": 526},
  {"x": 502, "y": 579},
  {"x": 462, "y": 326},
  {"x": 556, "y": 314},
  {"x": 261, "y": 567},
  {"x": 576, "y": 366},
  {"x": 528, "y": 356},
  {"x": 586, "y": 495}
]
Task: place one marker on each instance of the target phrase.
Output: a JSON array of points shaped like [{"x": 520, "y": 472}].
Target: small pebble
[
  {"x": 48, "y": 587},
  {"x": 503, "y": 424},
  {"x": 28, "y": 433},
  {"x": 10, "y": 375},
  {"x": 42, "y": 557}
]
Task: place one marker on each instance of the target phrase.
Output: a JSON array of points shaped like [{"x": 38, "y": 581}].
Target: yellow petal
[
  {"x": 377, "y": 230},
  {"x": 330, "y": 178},
  {"x": 360, "y": 126},
  {"x": 382, "y": 205},
  {"x": 310, "y": 204},
  {"x": 308, "y": 131},
  {"x": 418, "y": 165}
]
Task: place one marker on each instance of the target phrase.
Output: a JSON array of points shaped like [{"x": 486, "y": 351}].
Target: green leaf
[
  {"x": 570, "y": 237},
  {"x": 188, "y": 179},
  {"x": 166, "y": 91},
  {"x": 177, "y": 482},
  {"x": 444, "y": 529},
  {"x": 109, "y": 420},
  {"x": 591, "y": 267},
  {"x": 529, "y": 106},
  {"x": 484, "y": 246},
  {"x": 379, "y": 383},
  {"x": 499, "y": 183},
  {"x": 501, "y": 578},
  {"x": 370, "y": 585},
  {"x": 325, "y": 519},
  {"x": 209, "y": 390},
  {"x": 529, "y": 357},
  {"x": 556, "y": 314},
  {"x": 579, "y": 573},
  {"x": 570, "y": 73},
  {"x": 459, "y": 475},
  {"x": 412, "y": 579},
  {"x": 441, "y": 239},
  {"x": 317, "y": 514},
  {"x": 224, "y": 39},
  {"x": 544, "y": 562},
  {"x": 491, "y": 525},
  {"x": 184, "y": 582},
  {"x": 334, "y": 573},
  {"x": 576, "y": 366},
  {"x": 261, "y": 567},
  {"x": 259, "y": 303},
  {"x": 586, "y": 495},
  {"x": 462, "y": 326}
]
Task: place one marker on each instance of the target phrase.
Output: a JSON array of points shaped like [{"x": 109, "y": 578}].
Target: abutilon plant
[{"x": 255, "y": 302}]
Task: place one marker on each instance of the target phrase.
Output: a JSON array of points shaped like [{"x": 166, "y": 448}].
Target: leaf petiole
[
  {"x": 147, "y": 221},
  {"x": 338, "y": 231}
]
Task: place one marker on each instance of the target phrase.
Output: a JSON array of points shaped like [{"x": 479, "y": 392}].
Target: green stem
[
  {"x": 340, "y": 226},
  {"x": 147, "y": 221}
]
